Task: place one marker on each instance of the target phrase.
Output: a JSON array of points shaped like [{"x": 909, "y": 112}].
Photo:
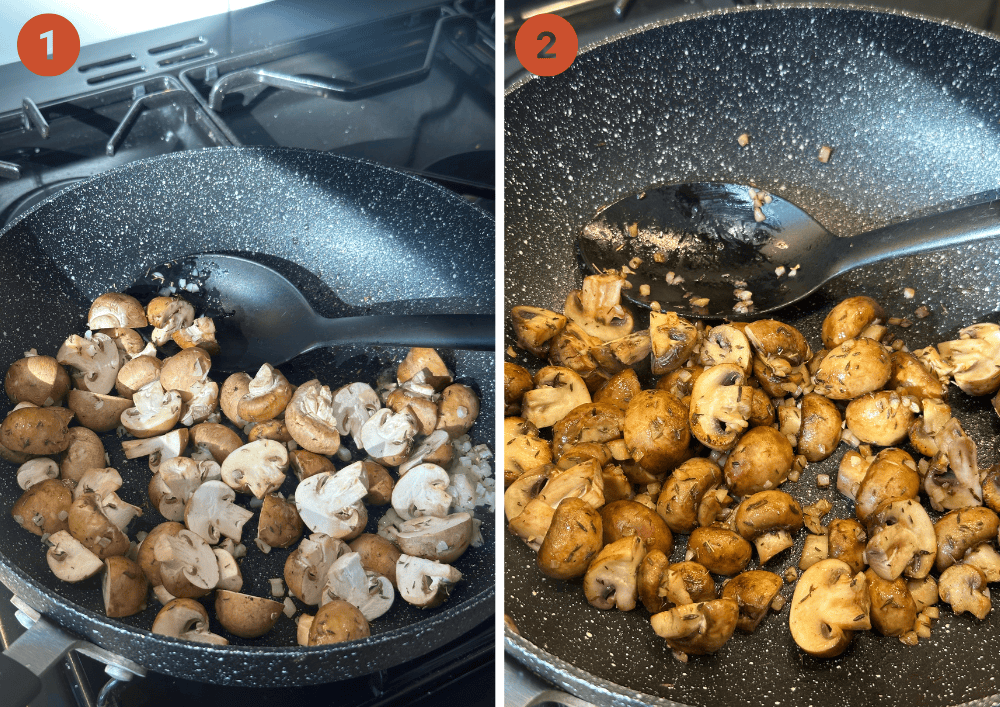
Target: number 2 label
[{"x": 546, "y": 44}]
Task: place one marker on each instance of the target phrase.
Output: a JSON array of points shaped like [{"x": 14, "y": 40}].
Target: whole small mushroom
[
  {"x": 761, "y": 460},
  {"x": 337, "y": 621}
]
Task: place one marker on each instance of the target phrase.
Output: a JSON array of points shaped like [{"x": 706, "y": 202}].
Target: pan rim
[
  {"x": 695, "y": 16},
  {"x": 69, "y": 616}
]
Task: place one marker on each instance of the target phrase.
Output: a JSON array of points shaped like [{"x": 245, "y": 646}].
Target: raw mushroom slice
[
  {"x": 257, "y": 468},
  {"x": 176, "y": 481},
  {"x": 124, "y": 587},
  {"x": 204, "y": 401},
  {"x": 441, "y": 539},
  {"x": 244, "y": 615},
  {"x": 99, "y": 481},
  {"x": 118, "y": 511},
  {"x": 99, "y": 413},
  {"x": 187, "y": 619},
  {"x": 212, "y": 513},
  {"x": 35, "y": 471},
  {"x": 158, "y": 449},
  {"x": 70, "y": 560},
  {"x": 85, "y": 452},
  {"x": 214, "y": 440},
  {"x": 95, "y": 362},
  {"x": 156, "y": 411},
  {"x": 167, "y": 315},
  {"x": 332, "y": 503},
  {"x": 435, "y": 449},
  {"x": 306, "y": 568},
  {"x": 423, "y": 366},
  {"x": 136, "y": 373},
  {"x": 388, "y": 436},
  {"x": 458, "y": 410},
  {"x": 201, "y": 333},
  {"x": 347, "y": 579},
  {"x": 88, "y": 523},
  {"x": 230, "y": 576},
  {"x": 353, "y": 405},
  {"x": 311, "y": 418},
  {"x": 424, "y": 583},
  {"x": 188, "y": 566},
  {"x": 423, "y": 491},
  {"x": 267, "y": 395}
]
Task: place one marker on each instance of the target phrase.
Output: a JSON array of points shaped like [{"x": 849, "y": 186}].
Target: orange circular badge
[
  {"x": 48, "y": 45},
  {"x": 546, "y": 45}
]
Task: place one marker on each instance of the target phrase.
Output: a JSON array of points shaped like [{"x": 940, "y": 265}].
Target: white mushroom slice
[
  {"x": 172, "y": 315},
  {"x": 433, "y": 442},
  {"x": 35, "y": 471},
  {"x": 303, "y": 624},
  {"x": 118, "y": 511},
  {"x": 424, "y": 583},
  {"x": 332, "y": 503},
  {"x": 69, "y": 560},
  {"x": 229, "y": 572},
  {"x": 353, "y": 405},
  {"x": 441, "y": 539},
  {"x": 306, "y": 568},
  {"x": 211, "y": 513},
  {"x": 172, "y": 486},
  {"x": 901, "y": 540},
  {"x": 162, "y": 595},
  {"x": 311, "y": 418},
  {"x": 961, "y": 487},
  {"x": 347, "y": 579},
  {"x": 422, "y": 492},
  {"x": 256, "y": 468},
  {"x": 95, "y": 362},
  {"x": 187, "y": 619},
  {"x": 156, "y": 411},
  {"x": 158, "y": 449},
  {"x": 99, "y": 481},
  {"x": 388, "y": 525},
  {"x": 388, "y": 436},
  {"x": 975, "y": 358},
  {"x": 557, "y": 391},
  {"x": 204, "y": 401},
  {"x": 201, "y": 333},
  {"x": 188, "y": 566}
]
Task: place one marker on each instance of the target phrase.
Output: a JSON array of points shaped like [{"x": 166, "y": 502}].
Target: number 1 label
[
  {"x": 47, "y": 36},
  {"x": 48, "y": 45}
]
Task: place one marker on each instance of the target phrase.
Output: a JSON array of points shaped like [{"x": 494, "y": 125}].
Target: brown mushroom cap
[
  {"x": 753, "y": 591},
  {"x": 43, "y": 508},
  {"x": 846, "y": 540},
  {"x": 611, "y": 579},
  {"x": 572, "y": 541},
  {"x": 244, "y": 615},
  {"x": 656, "y": 431},
  {"x": 305, "y": 463},
  {"x": 761, "y": 460},
  {"x": 720, "y": 550},
  {"x": 183, "y": 370},
  {"x": 338, "y": 621},
  {"x": 853, "y": 368},
  {"x": 147, "y": 558},
  {"x": 590, "y": 422},
  {"x": 619, "y": 389},
  {"x": 378, "y": 555},
  {"x": 115, "y": 309},
  {"x": 380, "y": 484},
  {"x": 622, "y": 519},
  {"x": 136, "y": 373},
  {"x": 769, "y": 519},
  {"x": 557, "y": 391},
  {"x": 100, "y": 413},
  {"x": 726, "y": 344},
  {"x": 882, "y": 418},
  {"x": 233, "y": 389},
  {"x": 687, "y": 498},
  {"x": 828, "y": 605},
  {"x": 901, "y": 539},
  {"x": 124, "y": 587},
  {"x": 911, "y": 377},
  {"x": 673, "y": 339},
  {"x": 280, "y": 525},
  {"x": 187, "y": 619},
  {"x": 889, "y": 477},
  {"x": 651, "y": 570},
  {"x": 516, "y": 382},
  {"x": 698, "y": 629},
  {"x": 457, "y": 409},
  {"x": 218, "y": 440},
  {"x": 423, "y": 366},
  {"x": 687, "y": 583},
  {"x": 36, "y": 379},
  {"x": 85, "y": 451},
  {"x": 893, "y": 610},
  {"x": 849, "y": 318},
  {"x": 819, "y": 433},
  {"x": 35, "y": 430},
  {"x": 88, "y": 524},
  {"x": 960, "y": 530},
  {"x": 536, "y": 328},
  {"x": 269, "y": 429}
]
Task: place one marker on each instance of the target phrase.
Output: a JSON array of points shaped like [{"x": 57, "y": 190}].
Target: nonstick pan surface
[
  {"x": 911, "y": 109},
  {"x": 356, "y": 238}
]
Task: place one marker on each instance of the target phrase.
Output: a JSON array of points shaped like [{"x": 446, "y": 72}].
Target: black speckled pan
[
  {"x": 911, "y": 108},
  {"x": 357, "y": 238}
]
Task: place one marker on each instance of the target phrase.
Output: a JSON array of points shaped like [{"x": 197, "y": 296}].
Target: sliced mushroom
[
  {"x": 753, "y": 591},
  {"x": 720, "y": 406},
  {"x": 611, "y": 580},
  {"x": 820, "y": 427},
  {"x": 846, "y": 540},
  {"x": 911, "y": 377},
  {"x": 902, "y": 540},
  {"x": 307, "y": 566},
  {"x": 147, "y": 558},
  {"x": 964, "y": 588},
  {"x": 95, "y": 362},
  {"x": 214, "y": 439},
  {"x": 828, "y": 606},
  {"x": 353, "y": 405},
  {"x": 953, "y": 480},
  {"x": 573, "y": 539},
  {"x": 422, "y": 492},
  {"x": 156, "y": 411},
  {"x": 69, "y": 559},
  {"x": 673, "y": 340},
  {"x": 187, "y": 619},
  {"x": 35, "y": 430},
  {"x": 203, "y": 402},
  {"x": 267, "y": 395},
  {"x": 257, "y": 468},
  {"x": 123, "y": 587},
  {"x": 761, "y": 460},
  {"x": 882, "y": 418},
  {"x": 167, "y": 315},
  {"x": 188, "y": 567},
  {"x": 378, "y": 555},
  {"x": 622, "y": 519},
  {"x": 688, "y": 497},
  {"x": 424, "y": 583},
  {"x": 211, "y": 513},
  {"x": 335, "y": 622},
  {"x": 88, "y": 523},
  {"x": 348, "y": 580},
  {"x": 100, "y": 413},
  {"x": 697, "y": 629},
  {"x": 890, "y": 476},
  {"x": 201, "y": 333},
  {"x": 849, "y": 318},
  {"x": 961, "y": 530},
  {"x": 36, "y": 379},
  {"x": 158, "y": 449},
  {"x": 558, "y": 390},
  {"x": 726, "y": 344},
  {"x": 597, "y": 307},
  {"x": 458, "y": 410},
  {"x": 769, "y": 519},
  {"x": 975, "y": 358},
  {"x": 174, "y": 483},
  {"x": 233, "y": 389},
  {"x": 230, "y": 576},
  {"x": 441, "y": 539},
  {"x": 536, "y": 328},
  {"x": 311, "y": 418},
  {"x": 893, "y": 610},
  {"x": 656, "y": 431},
  {"x": 332, "y": 503},
  {"x": 388, "y": 436},
  {"x": 35, "y": 471},
  {"x": 135, "y": 374},
  {"x": 245, "y": 615}
]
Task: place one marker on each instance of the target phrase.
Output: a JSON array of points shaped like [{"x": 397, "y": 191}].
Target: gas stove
[{"x": 408, "y": 84}]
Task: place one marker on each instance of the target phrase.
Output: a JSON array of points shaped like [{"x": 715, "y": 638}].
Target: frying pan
[
  {"x": 911, "y": 109},
  {"x": 356, "y": 238}
]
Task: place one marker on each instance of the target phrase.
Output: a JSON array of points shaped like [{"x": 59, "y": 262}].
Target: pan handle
[{"x": 20, "y": 685}]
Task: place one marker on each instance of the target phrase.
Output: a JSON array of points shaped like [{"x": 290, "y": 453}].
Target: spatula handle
[{"x": 446, "y": 331}]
